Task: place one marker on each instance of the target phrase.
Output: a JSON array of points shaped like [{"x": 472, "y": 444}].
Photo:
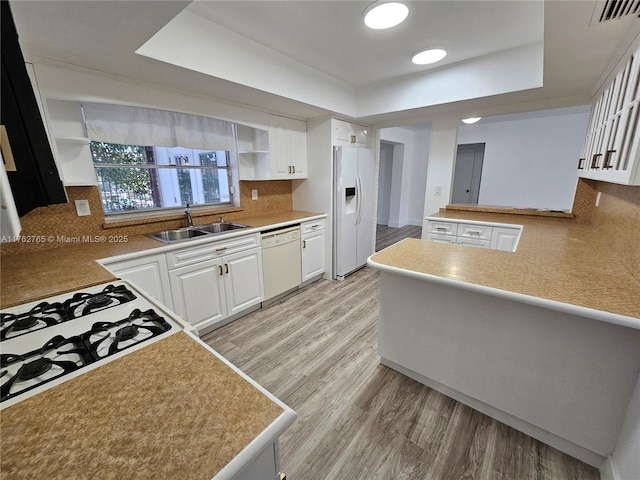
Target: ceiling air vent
[{"x": 611, "y": 9}]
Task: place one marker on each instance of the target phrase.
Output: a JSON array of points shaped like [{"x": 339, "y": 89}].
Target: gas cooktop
[{"x": 47, "y": 342}]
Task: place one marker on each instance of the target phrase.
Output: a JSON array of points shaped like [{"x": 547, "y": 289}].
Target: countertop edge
[
  {"x": 164, "y": 247},
  {"x": 600, "y": 315}
]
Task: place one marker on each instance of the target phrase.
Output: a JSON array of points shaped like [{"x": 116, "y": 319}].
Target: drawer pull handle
[
  {"x": 441, "y": 229},
  {"x": 607, "y": 159},
  {"x": 473, "y": 232},
  {"x": 226, "y": 268},
  {"x": 220, "y": 269},
  {"x": 313, "y": 227},
  {"x": 221, "y": 249},
  {"x": 304, "y": 244}
]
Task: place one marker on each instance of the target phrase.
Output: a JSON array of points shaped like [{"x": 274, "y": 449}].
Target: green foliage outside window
[{"x": 123, "y": 189}]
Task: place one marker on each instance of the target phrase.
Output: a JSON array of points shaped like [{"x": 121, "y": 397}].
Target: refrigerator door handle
[{"x": 358, "y": 199}]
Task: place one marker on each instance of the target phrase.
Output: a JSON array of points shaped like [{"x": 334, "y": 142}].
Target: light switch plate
[
  {"x": 254, "y": 194},
  {"x": 82, "y": 208},
  {"x": 438, "y": 191}
]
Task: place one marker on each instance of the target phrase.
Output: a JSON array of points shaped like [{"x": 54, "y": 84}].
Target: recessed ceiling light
[
  {"x": 428, "y": 55},
  {"x": 380, "y": 15},
  {"x": 470, "y": 120}
]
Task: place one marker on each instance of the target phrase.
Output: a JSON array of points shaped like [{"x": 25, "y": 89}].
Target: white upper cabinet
[
  {"x": 254, "y": 162},
  {"x": 288, "y": 142},
  {"x": 345, "y": 133},
  {"x": 274, "y": 154},
  {"x": 70, "y": 145},
  {"x": 612, "y": 148}
]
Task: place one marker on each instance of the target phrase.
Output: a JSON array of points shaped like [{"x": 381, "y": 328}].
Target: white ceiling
[
  {"x": 329, "y": 40},
  {"x": 331, "y": 37}
]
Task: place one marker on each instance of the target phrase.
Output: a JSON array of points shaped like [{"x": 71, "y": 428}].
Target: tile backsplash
[
  {"x": 617, "y": 216},
  {"x": 58, "y": 222}
]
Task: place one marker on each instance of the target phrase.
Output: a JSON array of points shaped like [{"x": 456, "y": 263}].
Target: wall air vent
[{"x": 612, "y": 9}]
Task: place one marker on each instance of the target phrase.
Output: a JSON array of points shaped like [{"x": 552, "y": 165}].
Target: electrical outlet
[
  {"x": 82, "y": 208},
  {"x": 254, "y": 194}
]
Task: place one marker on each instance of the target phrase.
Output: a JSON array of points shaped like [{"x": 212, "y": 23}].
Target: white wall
[
  {"x": 511, "y": 70},
  {"x": 442, "y": 152},
  {"x": 408, "y": 174},
  {"x": 529, "y": 161},
  {"x": 84, "y": 85},
  {"x": 384, "y": 182}
]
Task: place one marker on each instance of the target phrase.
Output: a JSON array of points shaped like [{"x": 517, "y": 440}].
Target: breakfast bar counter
[
  {"x": 545, "y": 339},
  {"x": 558, "y": 262}
]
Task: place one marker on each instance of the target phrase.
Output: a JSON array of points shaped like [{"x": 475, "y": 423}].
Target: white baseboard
[{"x": 587, "y": 456}]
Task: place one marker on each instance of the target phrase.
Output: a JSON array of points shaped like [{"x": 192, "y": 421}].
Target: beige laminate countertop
[
  {"x": 25, "y": 277},
  {"x": 556, "y": 259},
  {"x": 152, "y": 413}
]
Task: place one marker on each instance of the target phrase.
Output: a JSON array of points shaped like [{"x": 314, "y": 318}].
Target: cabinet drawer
[
  {"x": 434, "y": 237},
  {"x": 478, "y": 232},
  {"x": 188, "y": 256},
  {"x": 473, "y": 242},
  {"x": 441, "y": 228},
  {"x": 314, "y": 226}
]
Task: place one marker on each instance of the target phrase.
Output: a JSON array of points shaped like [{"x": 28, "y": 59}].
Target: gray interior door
[{"x": 467, "y": 173}]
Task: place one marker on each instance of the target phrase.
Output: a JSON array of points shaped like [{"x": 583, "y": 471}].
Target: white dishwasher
[{"x": 281, "y": 260}]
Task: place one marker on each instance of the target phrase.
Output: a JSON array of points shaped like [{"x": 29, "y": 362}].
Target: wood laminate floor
[
  {"x": 357, "y": 419},
  {"x": 386, "y": 236}
]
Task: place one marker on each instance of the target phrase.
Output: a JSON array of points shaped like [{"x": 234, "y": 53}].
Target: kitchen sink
[
  {"x": 180, "y": 234},
  {"x": 176, "y": 235},
  {"x": 220, "y": 227}
]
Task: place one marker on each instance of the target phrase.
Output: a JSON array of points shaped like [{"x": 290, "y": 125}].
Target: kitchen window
[
  {"x": 135, "y": 178},
  {"x": 148, "y": 161}
]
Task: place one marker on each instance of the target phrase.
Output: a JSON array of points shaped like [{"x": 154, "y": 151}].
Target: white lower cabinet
[
  {"x": 497, "y": 236},
  {"x": 242, "y": 280},
  {"x": 147, "y": 272},
  {"x": 505, "y": 239},
  {"x": 213, "y": 287},
  {"x": 313, "y": 249},
  {"x": 198, "y": 292},
  {"x": 264, "y": 467}
]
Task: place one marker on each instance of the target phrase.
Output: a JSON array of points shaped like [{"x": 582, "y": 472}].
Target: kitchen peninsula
[
  {"x": 187, "y": 411},
  {"x": 545, "y": 339}
]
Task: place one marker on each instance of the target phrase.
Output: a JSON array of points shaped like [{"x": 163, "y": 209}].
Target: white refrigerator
[{"x": 353, "y": 208}]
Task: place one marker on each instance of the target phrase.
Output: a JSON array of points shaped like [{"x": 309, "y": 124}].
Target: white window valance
[{"x": 145, "y": 126}]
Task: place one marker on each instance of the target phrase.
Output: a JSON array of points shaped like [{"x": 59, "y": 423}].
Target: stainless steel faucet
[{"x": 187, "y": 212}]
